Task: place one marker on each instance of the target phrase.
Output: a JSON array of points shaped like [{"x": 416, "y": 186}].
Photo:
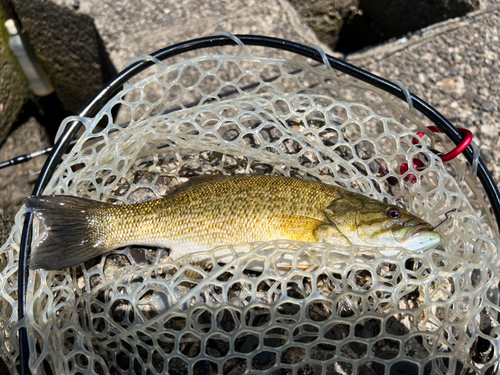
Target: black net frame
[{"x": 134, "y": 69}]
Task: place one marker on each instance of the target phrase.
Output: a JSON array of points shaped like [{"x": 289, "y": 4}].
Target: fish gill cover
[{"x": 300, "y": 308}]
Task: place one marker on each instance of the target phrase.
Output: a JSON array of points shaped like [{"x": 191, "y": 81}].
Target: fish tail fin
[{"x": 70, "y": 236}]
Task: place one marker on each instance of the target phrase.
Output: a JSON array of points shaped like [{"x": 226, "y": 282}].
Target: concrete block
[{"x": 134, "y": 28}]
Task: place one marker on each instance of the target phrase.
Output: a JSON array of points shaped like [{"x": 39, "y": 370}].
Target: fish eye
[{"x": 393, "y": 213}]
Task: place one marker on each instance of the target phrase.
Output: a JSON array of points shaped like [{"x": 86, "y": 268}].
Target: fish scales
[
  {"x": 218, "y": 210},
  {"x": 244, "y": 209}
]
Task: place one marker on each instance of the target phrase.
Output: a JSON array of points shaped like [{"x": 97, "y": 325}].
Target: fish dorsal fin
[{"x": 198, "y": 181}]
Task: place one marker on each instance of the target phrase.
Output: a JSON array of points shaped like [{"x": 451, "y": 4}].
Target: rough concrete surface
[
  {"x": 6, "y": 223},
  {"x": 351, "y": 25},
  {"x": 132, "y": 28},
  {"x": 14, "y": 90},
  {"x": 454, "y": 67}
]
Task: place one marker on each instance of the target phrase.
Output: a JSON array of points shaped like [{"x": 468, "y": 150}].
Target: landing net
[{"x": 326, "y": 309}]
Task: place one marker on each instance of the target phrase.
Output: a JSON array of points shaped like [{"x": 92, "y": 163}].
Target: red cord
[
  {"x": 467, "y": 139},
  {"x": 419, "y": 164}
]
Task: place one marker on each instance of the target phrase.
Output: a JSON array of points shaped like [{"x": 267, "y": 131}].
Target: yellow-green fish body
[{"x": 218, "y": 210}]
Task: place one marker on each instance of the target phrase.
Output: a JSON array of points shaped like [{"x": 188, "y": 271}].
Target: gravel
[{"x": 488, "y": 105}]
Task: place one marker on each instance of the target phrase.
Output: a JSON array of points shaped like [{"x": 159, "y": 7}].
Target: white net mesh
[{"x": 333, "y": 310}]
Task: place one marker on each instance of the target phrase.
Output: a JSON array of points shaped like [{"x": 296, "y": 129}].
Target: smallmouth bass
[{"x": 209, "y": 211}]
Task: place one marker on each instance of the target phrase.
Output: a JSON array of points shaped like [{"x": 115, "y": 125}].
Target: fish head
[{"x": 367, "y": 222}]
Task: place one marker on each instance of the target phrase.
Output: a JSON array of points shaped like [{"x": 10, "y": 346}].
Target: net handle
[{"x": 116, "y": 84}]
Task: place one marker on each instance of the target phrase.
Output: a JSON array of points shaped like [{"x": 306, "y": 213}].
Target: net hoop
[{"x": 137, "y": 67}]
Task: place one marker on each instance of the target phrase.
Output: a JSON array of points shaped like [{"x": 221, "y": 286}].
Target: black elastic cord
[{"x": 115, "y": 85}]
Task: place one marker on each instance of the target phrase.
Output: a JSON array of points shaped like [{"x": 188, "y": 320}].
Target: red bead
[{"x": 417, "y": 164}]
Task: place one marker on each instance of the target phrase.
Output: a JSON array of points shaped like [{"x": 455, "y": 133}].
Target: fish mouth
[
  {"x": 417, "y": 229},
  {"x": 404, "y": 234},
  {"x": 418, "y": 237}
]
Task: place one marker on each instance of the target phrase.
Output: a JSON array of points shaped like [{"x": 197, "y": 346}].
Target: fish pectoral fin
[
  {"x": 328, "y": 233},
  {"x": 301, "y": 228}
]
